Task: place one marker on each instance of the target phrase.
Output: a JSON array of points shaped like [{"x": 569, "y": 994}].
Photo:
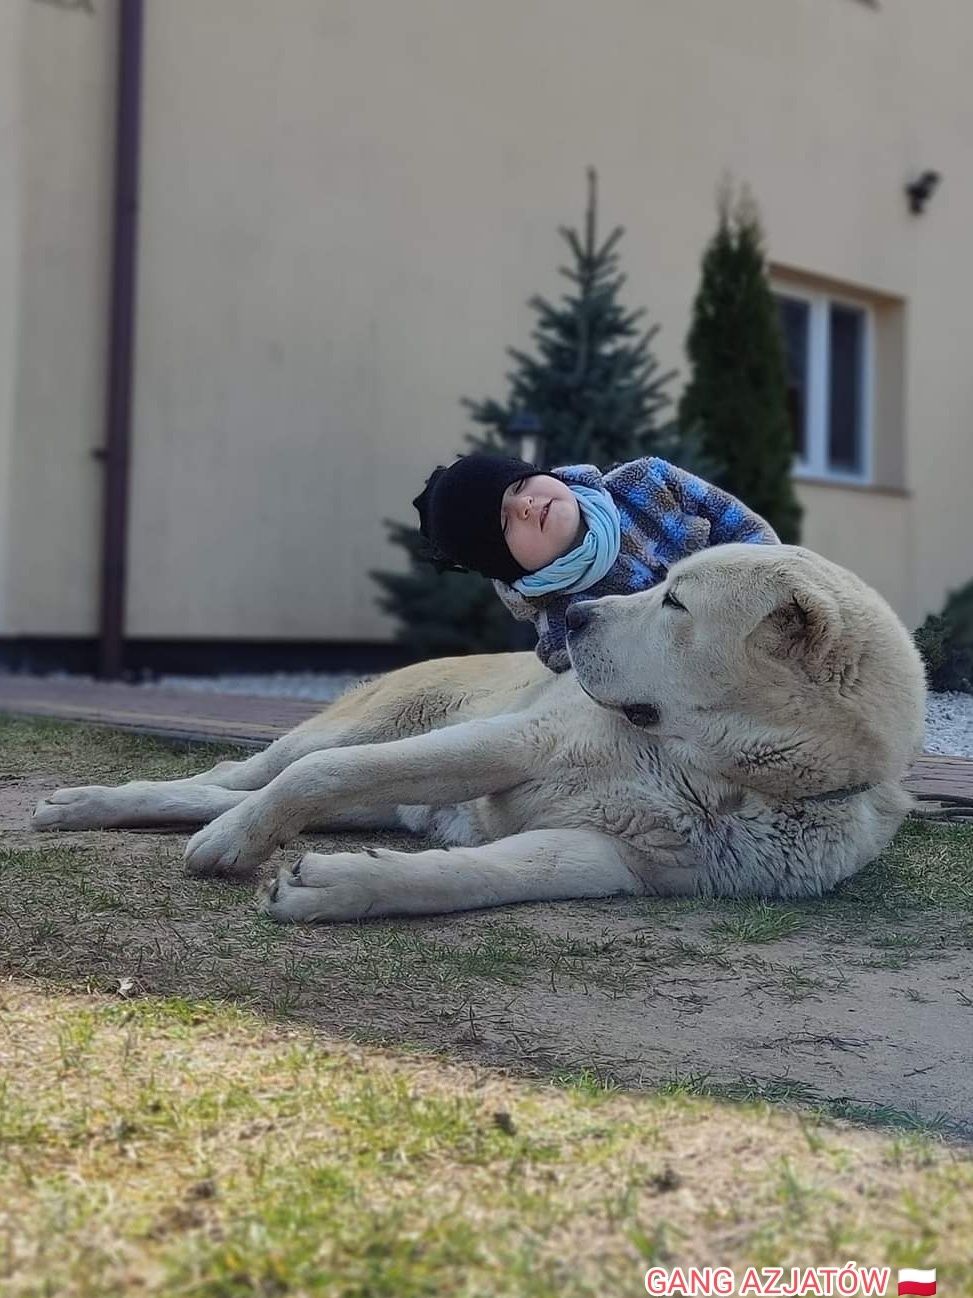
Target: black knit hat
[{"x": 459, "y": 514}]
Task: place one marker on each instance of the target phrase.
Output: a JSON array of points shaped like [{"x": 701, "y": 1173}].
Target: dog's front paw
[
  {"x": 85, "y": 807},
  {"x": 234, "y": 844},
  {"x": 321, "y": 889}
]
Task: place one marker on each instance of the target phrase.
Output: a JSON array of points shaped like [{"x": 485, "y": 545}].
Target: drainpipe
[{"x": 115, "y": 454}]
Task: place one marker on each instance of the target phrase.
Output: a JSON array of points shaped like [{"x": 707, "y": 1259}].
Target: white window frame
[{"x": 815, "y": 462}]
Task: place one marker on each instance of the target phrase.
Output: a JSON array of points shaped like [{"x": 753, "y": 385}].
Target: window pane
[
  {"x": 794, "y": 321},
  {"x": 847, "y": 346}
]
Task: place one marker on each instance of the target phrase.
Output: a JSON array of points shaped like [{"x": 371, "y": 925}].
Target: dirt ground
[{"x": 861, "y": 1003}]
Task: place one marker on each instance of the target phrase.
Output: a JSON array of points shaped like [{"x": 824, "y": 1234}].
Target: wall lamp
[{"x": 921, "y": 190}]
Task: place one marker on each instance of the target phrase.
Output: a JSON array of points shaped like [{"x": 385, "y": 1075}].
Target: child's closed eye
[{"x": 503, "y": 517}]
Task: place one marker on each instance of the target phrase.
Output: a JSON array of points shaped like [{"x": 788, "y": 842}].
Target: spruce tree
[
  {"x": 736, "y": 400},
  {"x": 590, "y": 393},
  {"x": 593, "y": 385},
  {"x": 444, "y": 613}
]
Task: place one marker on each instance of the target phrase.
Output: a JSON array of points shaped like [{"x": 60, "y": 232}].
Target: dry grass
[
  {"x": 227, "y": 1129},
  {"x": 188, "y": 1149}
]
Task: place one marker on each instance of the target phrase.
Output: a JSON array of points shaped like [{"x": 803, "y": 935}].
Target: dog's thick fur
[{"x": 742, "y": 730}]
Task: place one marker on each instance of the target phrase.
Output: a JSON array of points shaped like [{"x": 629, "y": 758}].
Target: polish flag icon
[{"x": 916, "y": 1282}]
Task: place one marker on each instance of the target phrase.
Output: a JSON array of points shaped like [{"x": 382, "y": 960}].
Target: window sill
[{"x": 843, "y": 484}]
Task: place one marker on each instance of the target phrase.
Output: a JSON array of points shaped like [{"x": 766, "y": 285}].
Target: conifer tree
[
  {"x": 592, "y": 386},
  {"x": 735, "y": 403},
  {"x": 590, "y": 392}
]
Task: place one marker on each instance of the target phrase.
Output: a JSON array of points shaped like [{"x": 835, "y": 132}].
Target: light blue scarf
[{"x": 588, "y": 562}]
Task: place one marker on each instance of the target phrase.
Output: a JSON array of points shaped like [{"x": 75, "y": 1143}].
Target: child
[{"x": 548, "y": 539}]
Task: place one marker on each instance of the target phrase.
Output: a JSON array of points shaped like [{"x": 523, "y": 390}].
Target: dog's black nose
[{"x": 578, "y": 615}]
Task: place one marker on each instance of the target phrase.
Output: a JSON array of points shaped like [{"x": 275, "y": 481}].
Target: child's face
[{"x": 541, "y": 519}]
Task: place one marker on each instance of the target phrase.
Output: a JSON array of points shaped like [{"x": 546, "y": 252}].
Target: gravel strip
[
  {"x": 324, "y": 686},
  {"x": 949, "y": 725}
]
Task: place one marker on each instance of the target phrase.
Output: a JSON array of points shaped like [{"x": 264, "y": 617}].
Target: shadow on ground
[{"x": 860, "y": 1004}]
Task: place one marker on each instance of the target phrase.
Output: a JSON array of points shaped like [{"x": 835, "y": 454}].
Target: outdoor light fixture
[
  {"x": 531, "y": 433},
  {"x": 920, "y": 191}
]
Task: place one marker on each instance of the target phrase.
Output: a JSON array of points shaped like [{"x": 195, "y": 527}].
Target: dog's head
[{"x": 767, "y": 663}]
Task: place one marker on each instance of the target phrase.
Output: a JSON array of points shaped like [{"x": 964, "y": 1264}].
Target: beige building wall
[
  {"x": 55, "y": 229},
  {"x": 10, "y": 33},
  {"x": 940, "y": 379},
  {"x": 871, "y": 532},
  {"x": 346, "y": 204}
]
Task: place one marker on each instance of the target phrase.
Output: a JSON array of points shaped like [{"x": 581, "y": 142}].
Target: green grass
[
  {"x": 94, "y": 754},
  {"x": 188, "y": 1139},
  {"x": 585, "y": 1081},
  {"x": 790, "y": 1091},
  {"x": 759, "y": 922},
  {"x": 505, "y": 952},
  {"x": 925, "y": 867},
  {"x": 185, "y": 1149}
]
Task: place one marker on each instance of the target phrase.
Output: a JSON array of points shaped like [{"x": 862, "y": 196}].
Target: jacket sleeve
[
  {"x": 729, "y": 519},
  {"x": 552, "y": 647},
  {"x": 519, "y": 606},
  {"x": 548, "y": 619}
]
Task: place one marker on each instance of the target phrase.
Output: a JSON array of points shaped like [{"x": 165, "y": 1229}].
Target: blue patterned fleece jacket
[{"x": 665, "y": 514}]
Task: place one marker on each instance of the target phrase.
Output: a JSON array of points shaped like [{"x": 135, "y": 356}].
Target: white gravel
[
  {"x": 324, "y": 686},
  {"x": 949, "y": 724}
]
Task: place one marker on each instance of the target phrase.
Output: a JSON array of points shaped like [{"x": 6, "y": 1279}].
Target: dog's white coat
[{"x": 781, "y": 686}]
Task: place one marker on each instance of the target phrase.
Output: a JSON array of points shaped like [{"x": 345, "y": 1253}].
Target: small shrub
[{"x": 945, "y": 641}]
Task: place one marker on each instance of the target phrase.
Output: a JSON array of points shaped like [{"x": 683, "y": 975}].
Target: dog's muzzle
[{"x": 579, "y": 616}]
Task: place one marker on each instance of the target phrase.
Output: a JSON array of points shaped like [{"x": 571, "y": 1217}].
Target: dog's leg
[
  {"x": 447, "y": 766},
  {"x": 137, "y": 805},
  {"x": 401, "y": 704},
  {"x": 176, "y": 802},
  {"x": 99, "y": 806},
  {"x": 540, "y": 865},
  {"x": 254, "y": 772},
  {"x": 147, "y": 804},
  {"x": 405, "y": 703}
]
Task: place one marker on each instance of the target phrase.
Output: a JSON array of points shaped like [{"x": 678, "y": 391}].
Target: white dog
[{"x": 741, "y": 730}]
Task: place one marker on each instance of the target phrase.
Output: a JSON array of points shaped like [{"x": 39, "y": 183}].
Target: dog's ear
[{"x": 805, "y": 627}]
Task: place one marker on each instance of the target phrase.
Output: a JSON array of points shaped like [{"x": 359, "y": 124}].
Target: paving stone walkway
[
  {"x": 254, "y": 721},
  {"x": 179, "y": 714}
]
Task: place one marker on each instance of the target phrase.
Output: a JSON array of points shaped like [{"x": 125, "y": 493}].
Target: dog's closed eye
[{"x": 670, "y": 601}]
